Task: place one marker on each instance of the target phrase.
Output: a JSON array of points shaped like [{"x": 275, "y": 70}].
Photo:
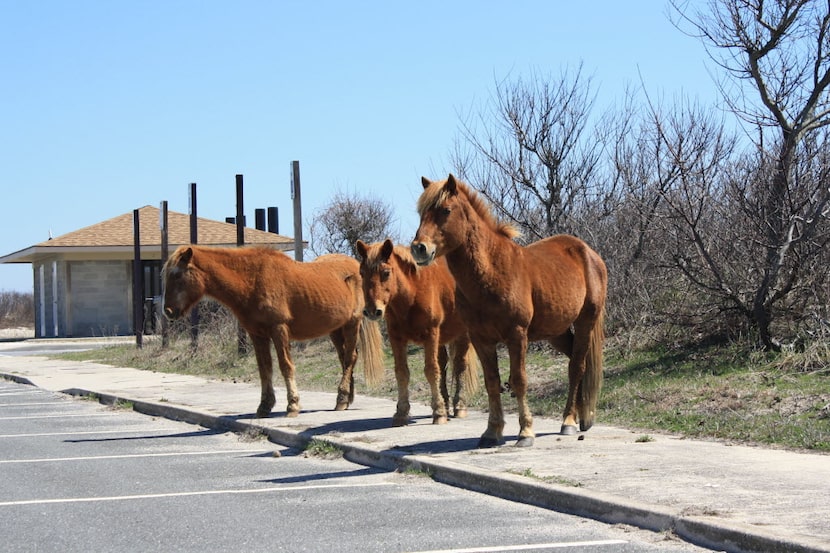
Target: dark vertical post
[
  {"x": 138, "y": 288},
  {"x": 194, "y": 239},
  {"x": 240, "y": 241},
  {"x": 273, "y": 220},
  {"x": 259, "y": 218},
  {"x": 165, "y": 253},
  {"x": 298, "y": 211},
  {"x": 240, "y": 213}
]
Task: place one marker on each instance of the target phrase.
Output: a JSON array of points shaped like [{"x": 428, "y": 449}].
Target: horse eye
[
  {"x": 384, "y": 275},
  {"x": 444, "y": 211}
]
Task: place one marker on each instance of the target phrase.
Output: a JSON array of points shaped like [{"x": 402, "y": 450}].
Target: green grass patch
[
  {"x": 723, "y": 391},
  {"x": 323, "y": 450}
]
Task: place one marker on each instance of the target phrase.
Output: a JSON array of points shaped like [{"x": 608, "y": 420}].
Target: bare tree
[
  {"x": 348, "y": 218},
  {"x": 776, "y": 57},
  {"x": 528, "y": 152}
]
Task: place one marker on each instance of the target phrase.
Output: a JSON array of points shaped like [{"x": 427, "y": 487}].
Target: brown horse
[
  {"x": 553, "y": 290},
  {"x": 277, "y": 299},
  {"x": 419, "y": 306}
]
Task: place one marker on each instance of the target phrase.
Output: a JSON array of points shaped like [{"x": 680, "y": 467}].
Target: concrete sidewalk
[{"x": 726, "y": 497}]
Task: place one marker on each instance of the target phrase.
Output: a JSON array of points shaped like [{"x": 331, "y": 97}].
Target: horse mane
[
  {"x": 403, "y": 253},
  {"x": 436, "y": 194},
  {"x": 232, "y": 253}
]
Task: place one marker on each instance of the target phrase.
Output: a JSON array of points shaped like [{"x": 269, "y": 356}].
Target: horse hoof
[
  {"x": 262, "y": 413},
  {"x": 400, "y": 421},
  {"x": 489, "y": 442},
  {"x": 341, "y": 406},
  {"x": 439, "y": 419},
  {"x": 291, "y": 414},
  {"x": 461, "y": 413},
  {"x": 567, "y": 430},
  {"x": 585, "y": 426},
  {"x": 524, "y": 442}
]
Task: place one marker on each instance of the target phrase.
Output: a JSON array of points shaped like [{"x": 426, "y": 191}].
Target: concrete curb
[{"x": 571, "y": 500}]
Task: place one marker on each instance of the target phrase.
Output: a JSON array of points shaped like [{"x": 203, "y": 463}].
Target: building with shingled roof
[{"x": 83, "y": 280}]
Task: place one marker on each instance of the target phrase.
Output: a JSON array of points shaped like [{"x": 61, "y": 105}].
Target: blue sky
[{"x": 108, "y": 106}]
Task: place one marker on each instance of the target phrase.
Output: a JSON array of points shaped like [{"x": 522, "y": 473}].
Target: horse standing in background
[
  {"x": 553, "y": 290},
  {"x": 419, "y": 306},
  {"x": 276, "y": 300}
]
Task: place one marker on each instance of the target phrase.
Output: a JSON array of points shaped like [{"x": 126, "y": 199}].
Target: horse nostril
[
  {"x": 373, "y": 315},
  {"x": 419, "y": 249}
]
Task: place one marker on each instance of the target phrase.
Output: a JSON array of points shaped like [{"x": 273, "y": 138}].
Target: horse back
[{"x": 314, "y": 298}]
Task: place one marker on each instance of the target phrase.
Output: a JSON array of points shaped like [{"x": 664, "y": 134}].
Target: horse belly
[{"x": 321, "y": 314}]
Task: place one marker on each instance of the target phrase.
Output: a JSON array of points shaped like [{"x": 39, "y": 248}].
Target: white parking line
[
  {"x": 186, "y": 494},
  {"x": 525, "y": 547},
  {"x": 44, "y": 434},
  {"x": 26, "y": 404},
  {"x": 59, "y": 416},
  {"x": 133, "y": 456}
]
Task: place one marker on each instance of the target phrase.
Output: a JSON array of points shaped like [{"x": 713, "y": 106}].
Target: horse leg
[
  {"x": 432, "y": 370},
  {"x": 443, "y": 384},
  {"x": 461, "y": 370},
  {"x": 282, "y": 347},
  {"x": 575, "y": 346},
  {"x": 345, "y": 342},
  {"x": 262, "y": 350},
  {"x": 565, "y": 344},
  {"x": 401, "y": 417},
  {"x": 493, "y": 436},
  {"x": 517, "y": 349}
]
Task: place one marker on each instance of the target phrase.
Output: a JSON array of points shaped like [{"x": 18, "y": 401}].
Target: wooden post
[
  {"x": 165, "y": 253},
  {"x": 298, "y": 211},
  {"x": 138, "y": 288},
  {"x": 242, "y": 341},
  {"x": 194, "y": 239}
]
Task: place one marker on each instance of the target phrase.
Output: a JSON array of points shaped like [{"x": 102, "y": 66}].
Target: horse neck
[
  {"x": 222, "y": 277},
  {"x": 474, "y": 263},
  {"x": 405, "y": 287}
]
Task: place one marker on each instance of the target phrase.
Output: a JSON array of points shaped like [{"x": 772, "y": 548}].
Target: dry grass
[{"x": 724, "y": 391}]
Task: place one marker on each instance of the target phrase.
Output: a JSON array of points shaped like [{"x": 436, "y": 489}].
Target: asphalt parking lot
[{"x": 80, "y": 476}]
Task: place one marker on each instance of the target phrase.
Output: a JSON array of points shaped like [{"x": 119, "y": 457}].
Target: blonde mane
[
  {"x": 403, "y": 253},
  {"x": 435, "y": 194}
]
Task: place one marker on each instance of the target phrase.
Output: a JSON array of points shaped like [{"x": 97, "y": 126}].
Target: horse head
[
  {"x": 438, "y": 231},
  {"x": 377, "y": 276},
  {"x": 182, "y": 285}
]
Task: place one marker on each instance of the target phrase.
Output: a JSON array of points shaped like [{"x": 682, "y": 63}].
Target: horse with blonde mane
[
  {"x": 418, "y": 304},
  {"x": 553, "y": 289},
  {"x": 276, "y": 300}
]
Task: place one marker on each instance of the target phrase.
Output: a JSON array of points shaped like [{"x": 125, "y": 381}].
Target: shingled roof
[{"x": 114, "y": 237}]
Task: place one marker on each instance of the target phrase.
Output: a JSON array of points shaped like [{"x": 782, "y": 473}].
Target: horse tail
[
  {"x": 371, "y": 351},
  {"x": 471, "y": 374},
  {"x": 592, "y": 379}
]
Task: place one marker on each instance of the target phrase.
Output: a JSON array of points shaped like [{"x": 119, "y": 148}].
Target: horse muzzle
[
  {"x": 373, "y": 314},
  {"x": 422, "y": 254},
  {"x": 172, "y": 313}
]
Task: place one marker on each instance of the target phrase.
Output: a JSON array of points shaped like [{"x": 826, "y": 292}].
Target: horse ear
[
  {"x": 452, "y": 185},
  {"x": 186, "y": 256},
  {"x": 360, "y": 247},
  {"x": 386, "y": 249},
  {"x": 425, "y": 182}
]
